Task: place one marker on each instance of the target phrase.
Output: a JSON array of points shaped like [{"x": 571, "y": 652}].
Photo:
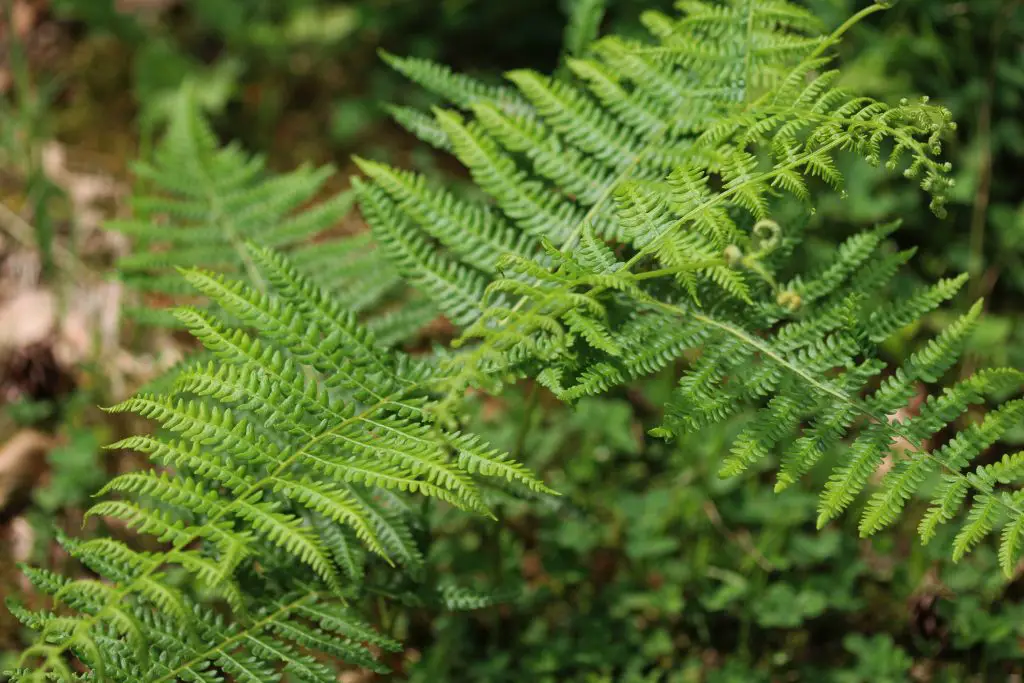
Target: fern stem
[
  {"x": 846, "y": 26},
  {"x": 663, "y": 272}
]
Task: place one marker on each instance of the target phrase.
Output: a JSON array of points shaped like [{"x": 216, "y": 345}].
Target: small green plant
[{"x": 643, "y": 211}]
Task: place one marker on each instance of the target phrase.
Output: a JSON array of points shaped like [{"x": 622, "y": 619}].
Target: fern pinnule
[
  {"x": 454, "y": 87},
  {"x": 455, "y": 287},
  {"x": 473, "y": 231}
]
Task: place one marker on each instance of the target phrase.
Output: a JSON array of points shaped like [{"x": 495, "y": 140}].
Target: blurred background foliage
[
  {"x": 649, "y": 567},
  {"x": 290, "y": 76}
]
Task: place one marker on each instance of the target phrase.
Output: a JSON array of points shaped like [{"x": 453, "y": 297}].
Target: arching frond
[{"x": 283, "y": 436}]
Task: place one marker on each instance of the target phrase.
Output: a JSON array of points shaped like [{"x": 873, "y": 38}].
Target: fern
[
  {"x": 633, "y": 219},
  {"x": 679, "y": 153},
  {"x": 278, "y": 440},
  {"x": 198, "y": 203},
  {"x": 584, "y": 24}
]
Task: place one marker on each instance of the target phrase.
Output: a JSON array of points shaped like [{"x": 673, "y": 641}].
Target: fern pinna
[{"x": 640, "y": 212}]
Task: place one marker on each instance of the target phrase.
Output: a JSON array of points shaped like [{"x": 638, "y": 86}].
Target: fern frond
[
  {"x": 475, "y": 233},
  {"x": 584, "y": 24},
  {"x": 198, "y": 203},
  {"x": 701, "y": 249},
  {"x": 455, "y": 88},
  {"x": 340, "y": 418}
]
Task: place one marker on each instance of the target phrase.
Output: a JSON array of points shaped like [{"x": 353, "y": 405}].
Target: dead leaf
[
  {"x": 27, "y": 319},
  {"x": 21, "y": 537},
  {"x": 22, "y": 461},
  {"x": 23, "y": 17}
]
